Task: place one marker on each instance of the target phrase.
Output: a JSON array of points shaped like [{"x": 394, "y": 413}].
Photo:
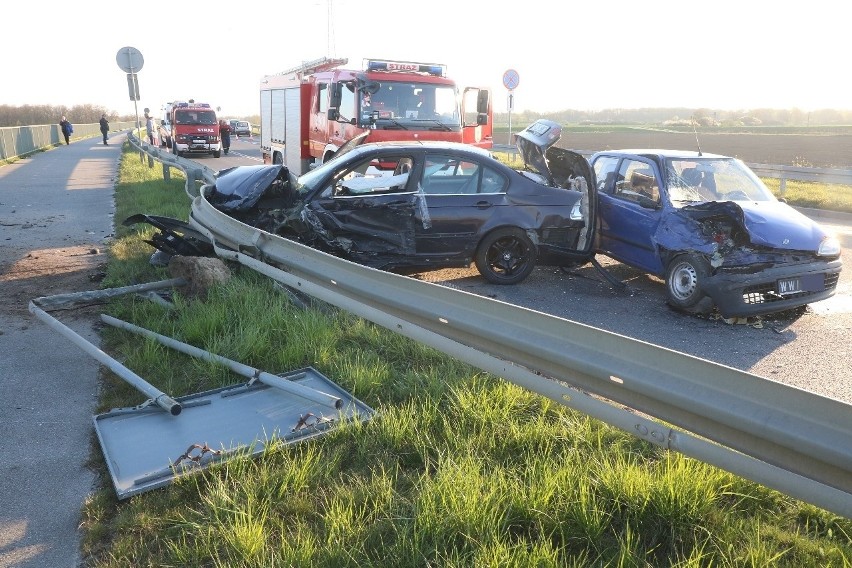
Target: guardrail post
[
  {"x": 150, "y": 161},
  {"x": 166, "y": 172},
  {"x": 783, "y": 185},
  {"x": 193, "y": 175}
]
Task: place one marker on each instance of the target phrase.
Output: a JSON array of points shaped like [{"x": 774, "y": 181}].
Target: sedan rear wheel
[
  {"x": 684, "y": 280},
  {"x": 506, "y": 256}
]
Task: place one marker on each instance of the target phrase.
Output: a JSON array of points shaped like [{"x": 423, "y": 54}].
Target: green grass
[
  {"x": 458, "y": 468},
  {"x": 832, "y": 197}
]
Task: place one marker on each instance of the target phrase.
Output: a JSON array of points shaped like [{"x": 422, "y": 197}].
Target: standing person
[
  {"x": 67, "y": 129},
  {"x": 104, "y": 127},
  {"x": 225, "y": 134},
  {"x": 149, "y": 127}
]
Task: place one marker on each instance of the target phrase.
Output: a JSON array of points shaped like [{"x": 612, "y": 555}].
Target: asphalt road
[{"x": 56, "y": 213}]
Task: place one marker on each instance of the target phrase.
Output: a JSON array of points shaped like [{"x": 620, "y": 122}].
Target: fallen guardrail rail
[{"x": 792, "y": 440}]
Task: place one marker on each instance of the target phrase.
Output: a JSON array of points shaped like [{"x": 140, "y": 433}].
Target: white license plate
[
  {"x": 788, "y": 286},
  {"x": 804, "y": 283},
  {"x": 202, "y": 142}
]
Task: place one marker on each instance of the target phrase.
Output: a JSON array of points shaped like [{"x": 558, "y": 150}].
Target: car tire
[
  {"x": 506, "y": 256},
  {"x": 217, "y": 154},
  {"x": 684, "y": 280}
]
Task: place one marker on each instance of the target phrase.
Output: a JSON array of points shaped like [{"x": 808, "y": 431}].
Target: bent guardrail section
[
  {"x": 791, "y": 440},
  {"x": 786, "y": 438}
]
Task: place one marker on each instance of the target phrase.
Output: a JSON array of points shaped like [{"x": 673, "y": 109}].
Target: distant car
[
  {"x": 429, "y": 205},
  {"x": 240, "y": 128},
  {"x": 711, "y": 229}
]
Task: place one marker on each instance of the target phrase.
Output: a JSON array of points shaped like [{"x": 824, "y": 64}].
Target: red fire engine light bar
[{"x": 437, "y": 69}]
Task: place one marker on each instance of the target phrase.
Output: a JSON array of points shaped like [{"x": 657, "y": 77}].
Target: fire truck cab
[
  {"x": 308, "y": 112},
  {"x": 191, "y": 128}
]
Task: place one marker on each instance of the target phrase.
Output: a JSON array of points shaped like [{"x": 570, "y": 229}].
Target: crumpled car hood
[
  {"x": 240, "y": 188},
  {"x": 768, "y": 223}
]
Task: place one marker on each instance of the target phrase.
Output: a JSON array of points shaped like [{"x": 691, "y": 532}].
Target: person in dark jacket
[
  {"x": 225, "y": 135},
  {"x": 67, "y": 129},
  {"x": 104, "y": 127}
]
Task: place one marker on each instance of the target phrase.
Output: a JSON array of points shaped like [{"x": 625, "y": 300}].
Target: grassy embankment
[{"x": 459, "y": 468}]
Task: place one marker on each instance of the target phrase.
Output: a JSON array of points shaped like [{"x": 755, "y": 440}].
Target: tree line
[
  {"x": 28, "y": 115},
  {"x": 31, "y": 115}
]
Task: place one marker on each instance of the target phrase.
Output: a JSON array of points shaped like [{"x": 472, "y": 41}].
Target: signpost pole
[
  {"x": 130, "y": 61},
  {"x": 510, "y": 81}
]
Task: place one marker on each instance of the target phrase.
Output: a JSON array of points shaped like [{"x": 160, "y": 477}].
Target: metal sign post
[
  {"x": 510, "y": 81},
  {"x": 130, "y": 61}
]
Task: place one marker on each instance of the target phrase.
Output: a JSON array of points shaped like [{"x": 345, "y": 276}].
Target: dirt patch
[{"x": 29, "y": 273}]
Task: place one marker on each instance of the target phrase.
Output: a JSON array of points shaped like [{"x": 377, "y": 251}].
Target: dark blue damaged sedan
[{"x": 413, "y": 206}]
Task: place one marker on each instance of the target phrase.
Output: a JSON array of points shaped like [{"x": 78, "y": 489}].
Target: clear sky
[{"x": 722, "y": 54}]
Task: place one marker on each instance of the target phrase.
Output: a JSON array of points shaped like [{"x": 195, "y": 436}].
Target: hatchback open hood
[
  {"x": 558, "y": 165},
  {"x": 533, "y": 143}
]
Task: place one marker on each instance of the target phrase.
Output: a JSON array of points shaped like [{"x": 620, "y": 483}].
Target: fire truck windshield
[
  {"x": 193, "y": 116},
  {"x": 410, "y": 106}
]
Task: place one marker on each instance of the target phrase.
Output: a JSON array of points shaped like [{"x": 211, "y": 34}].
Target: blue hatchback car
[{"x": 711, "y": 229}]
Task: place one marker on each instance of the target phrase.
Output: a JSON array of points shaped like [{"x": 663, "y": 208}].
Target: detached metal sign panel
[{"x": 146, "y": 448}]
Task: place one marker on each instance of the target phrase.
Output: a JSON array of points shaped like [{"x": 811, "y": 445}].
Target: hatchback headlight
[{"x": 829, "y": 246}]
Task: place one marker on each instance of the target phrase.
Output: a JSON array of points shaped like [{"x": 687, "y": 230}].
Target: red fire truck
[
  {"x": 190, "y": 128},
  {"x": 308, "y": 112}
]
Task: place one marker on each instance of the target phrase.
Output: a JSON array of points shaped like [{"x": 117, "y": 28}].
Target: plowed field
[{"x": 817, "y": 151}]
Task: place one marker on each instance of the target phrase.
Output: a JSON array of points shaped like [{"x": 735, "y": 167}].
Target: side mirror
[
  {"x": 336, "y": 95},
  {"x": 333, "y": 114},
  {"x": 481, "y": 119},
  {"x": 483, "y": 101}
]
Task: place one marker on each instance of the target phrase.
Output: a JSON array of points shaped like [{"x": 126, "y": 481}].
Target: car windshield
[
  {"x": 693, "y": 180},
  {"x": 306, "y": 183}
]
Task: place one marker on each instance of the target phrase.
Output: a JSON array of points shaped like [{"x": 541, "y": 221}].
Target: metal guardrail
[
  {"x": 792, "y": 440},
  {"x": 820, "y": 175},
  {"x": 23, "y": 140},
  {"x": 194, "y": 172}
]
